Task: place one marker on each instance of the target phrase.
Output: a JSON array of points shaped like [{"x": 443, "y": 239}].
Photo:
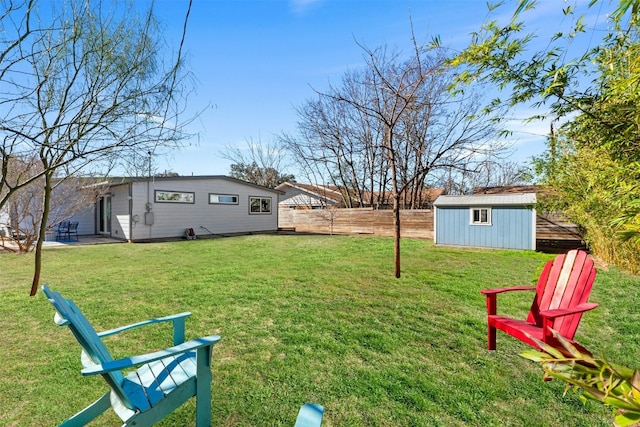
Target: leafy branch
[{"x": 598, "y": 379}]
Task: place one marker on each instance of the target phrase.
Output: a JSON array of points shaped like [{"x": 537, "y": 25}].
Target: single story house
[
  {"x": 506, "y": 221},
  {"x": 143, "y": 209},
  {"x": 309, "y": 196}
]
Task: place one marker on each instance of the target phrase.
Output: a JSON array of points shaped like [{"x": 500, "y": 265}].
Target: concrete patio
[{"x": 95, "y": 239}]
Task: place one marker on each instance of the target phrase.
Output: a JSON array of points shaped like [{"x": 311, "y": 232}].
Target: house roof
[
  {"x": 332, "y": 193},
  {"x": 122, "y": 181},
  {"x": 511, "y": 199},
  {"x": 327, "y": 192}
]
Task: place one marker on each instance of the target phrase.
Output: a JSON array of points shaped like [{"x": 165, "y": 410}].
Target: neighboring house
[
  {"x": 309, "y": 196},
  {"x": 506, "y": 221},
  {"x": 142, "y": 209}
]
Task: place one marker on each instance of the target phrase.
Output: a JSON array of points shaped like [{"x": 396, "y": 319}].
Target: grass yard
[{"x": 306, "y": 319}]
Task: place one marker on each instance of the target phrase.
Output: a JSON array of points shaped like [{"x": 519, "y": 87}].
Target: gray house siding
[
  {"x": 86, "y": 224},
  {"x": 170, "y": 219},
  {"x": 511, "y": 228},
  {"x": 120, "y": 217}
]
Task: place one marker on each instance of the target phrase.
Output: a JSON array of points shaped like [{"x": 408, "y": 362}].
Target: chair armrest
[
  {"x": 129, "y": 362},
  {"x": 492, "y": 296},
  {"x": 559, "y": 312},
  {"x": 178, "y": 326},
  {"x": 512, "y": 288}
]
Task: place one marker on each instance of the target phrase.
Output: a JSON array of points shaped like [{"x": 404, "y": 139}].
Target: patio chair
[
  {"x": 73, "y": 229},
  {"x": 560, "y": 300},
  {"x": 144, "y": 389},
  {"x": 162, "y": 382},
  {"x": 62, "y": 230}
]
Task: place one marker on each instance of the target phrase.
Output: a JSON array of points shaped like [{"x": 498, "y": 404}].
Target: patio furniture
[
  {"x": 66, "y": 229},
  {"x": 310, "y": 415},
  {"x": 73, "y": 229},
  {"x": 561, "y": 297},
  {"x": 62, "y": 230},
  {"x": 162, "y": 381}
]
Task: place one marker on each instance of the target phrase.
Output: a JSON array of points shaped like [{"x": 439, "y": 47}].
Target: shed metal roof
[{"x": 487, "y": 200}]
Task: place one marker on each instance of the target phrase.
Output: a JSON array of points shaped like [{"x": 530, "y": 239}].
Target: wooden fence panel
[{"x": 414, "y": 223}]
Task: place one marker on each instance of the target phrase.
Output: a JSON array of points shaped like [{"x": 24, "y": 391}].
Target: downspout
[
  {"x": 130, "y": 197},
  {"x": 148, "y": 216}
]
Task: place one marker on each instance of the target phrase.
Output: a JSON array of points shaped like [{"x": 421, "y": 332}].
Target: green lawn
[{"x": 306, "y": 319}]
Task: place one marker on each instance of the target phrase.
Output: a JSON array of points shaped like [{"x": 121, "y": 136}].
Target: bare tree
[
  {"x": 85, "y": 85},
  {"x": 69, "y": 197},
  {"x": 390, "y": 127},
  {"x": 340, "y": 145},
  {"x": 488, "y": 172},
  {"x": 23, "y": 207},
  {"x": 258, "y": 162}
]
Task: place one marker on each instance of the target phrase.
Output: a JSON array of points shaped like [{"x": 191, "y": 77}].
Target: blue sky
[{"x": 256, "y": 60}]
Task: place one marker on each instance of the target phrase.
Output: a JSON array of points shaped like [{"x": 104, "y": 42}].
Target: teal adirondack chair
[
  {"x": 164, "y": 379},
  {"x": 310, "y": 415},
  {"x": 162, "y": 382}
]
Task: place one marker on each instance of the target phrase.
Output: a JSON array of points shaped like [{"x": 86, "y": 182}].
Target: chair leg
[
  {"x": 203, "y": 386},
  {"x": 491, "y": 337}
]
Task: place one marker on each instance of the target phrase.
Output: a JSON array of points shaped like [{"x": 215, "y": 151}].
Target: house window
[
  {"x": 480, "y": 216},
  {"x": 223, "y": 199},
  {"x": 260, "y": 205},
  {"x": 174, "y": 197}
]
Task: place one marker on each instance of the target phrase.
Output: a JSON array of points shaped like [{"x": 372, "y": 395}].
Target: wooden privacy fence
[
  {"x": 554, "y": 233},
  {"x": 414, "y": 223}
]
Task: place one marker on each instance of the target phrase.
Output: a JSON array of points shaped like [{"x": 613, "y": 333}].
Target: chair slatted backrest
[
  {"x": 68, "y": 314},
  {"x": 564, "y": 283}
]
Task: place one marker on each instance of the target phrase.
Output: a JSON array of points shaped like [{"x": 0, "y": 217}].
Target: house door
[{"x": 104, "y": 211}]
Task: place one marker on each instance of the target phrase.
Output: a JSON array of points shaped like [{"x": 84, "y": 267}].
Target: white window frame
[
  {"x": 472, "y": 216},
  {"x": 260, "y": 205},
  {"x": 215, "y": 199}
]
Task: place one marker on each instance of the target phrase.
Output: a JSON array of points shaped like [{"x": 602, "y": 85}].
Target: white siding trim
[
  {"x": 435, "y": 225},
  {"x": 534, "y": 227}
]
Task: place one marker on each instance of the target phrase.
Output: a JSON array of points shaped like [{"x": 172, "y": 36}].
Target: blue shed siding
[{"x": 511, "y": 228}]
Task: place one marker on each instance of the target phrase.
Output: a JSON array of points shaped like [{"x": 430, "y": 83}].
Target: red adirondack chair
[{"x": 561, "y": 298}]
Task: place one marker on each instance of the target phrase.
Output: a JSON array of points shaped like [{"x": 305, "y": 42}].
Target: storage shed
[{"x": 506, "y": 221}]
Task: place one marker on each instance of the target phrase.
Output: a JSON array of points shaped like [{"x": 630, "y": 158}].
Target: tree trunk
[
  {"x": 396, "y": 234},
  {"x": 46, "y": 202},
  {"x": 396, "y": 202}
]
